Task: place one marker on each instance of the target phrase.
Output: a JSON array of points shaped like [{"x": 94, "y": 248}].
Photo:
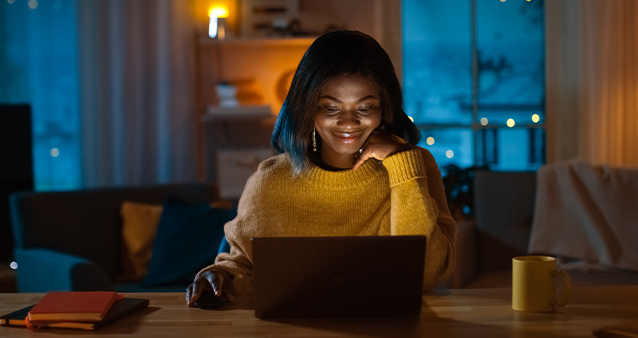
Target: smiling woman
[
  {"x": 349, "y": 166},
  {"x": 341, "y": 58}
]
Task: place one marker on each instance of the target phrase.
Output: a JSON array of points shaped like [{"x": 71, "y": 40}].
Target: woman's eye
[
  {"x": 331, "y": 109},
  {"x": 364, "y": 109}
]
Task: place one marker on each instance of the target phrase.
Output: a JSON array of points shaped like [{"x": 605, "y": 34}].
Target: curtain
[
  {"x": 592, "y": 81},
  {"x": 137, "y": 91}
]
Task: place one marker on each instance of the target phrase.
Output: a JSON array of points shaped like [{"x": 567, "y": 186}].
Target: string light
[
  {"x": 449, "y": 154},
  {"x": 510, "y": 123},
  {"x": 430, "y": 140},
  {"x": 484, "y": 121},
  {"x": 536, "y": 118}
]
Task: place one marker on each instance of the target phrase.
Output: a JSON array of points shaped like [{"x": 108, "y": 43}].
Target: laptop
[{"x": 332, "y": 277}]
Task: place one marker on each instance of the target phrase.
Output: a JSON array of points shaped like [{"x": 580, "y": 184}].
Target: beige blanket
[{"x": 588, "y": 212}]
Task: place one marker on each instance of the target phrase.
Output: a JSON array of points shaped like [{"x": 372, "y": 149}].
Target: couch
[
  {"x": 72, "y": 240},
  {"x": 504, "y": 210}
]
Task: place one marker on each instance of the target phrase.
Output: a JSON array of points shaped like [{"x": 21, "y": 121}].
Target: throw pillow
[
  {"x": 188, "y": 239},
  {"x": 139, "y": 225}
]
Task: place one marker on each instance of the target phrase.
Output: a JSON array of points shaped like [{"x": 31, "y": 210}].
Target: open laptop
[{"x": 328, "y": 277}]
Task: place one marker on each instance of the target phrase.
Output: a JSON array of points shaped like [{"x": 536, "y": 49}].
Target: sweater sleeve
[{"x": 419, "y": 207}]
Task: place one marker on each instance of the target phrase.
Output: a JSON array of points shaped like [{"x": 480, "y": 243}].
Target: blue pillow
[{"x": 188, "y": 239}]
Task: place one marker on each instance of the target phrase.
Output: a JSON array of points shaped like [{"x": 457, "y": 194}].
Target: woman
[{"x": 349, "y": 166}]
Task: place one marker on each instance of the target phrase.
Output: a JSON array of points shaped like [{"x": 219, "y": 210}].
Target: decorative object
[
  {"x": 261, "y": 17},
  {"x": 283, "y": 84},
  {"x": 226, "y": 94}
]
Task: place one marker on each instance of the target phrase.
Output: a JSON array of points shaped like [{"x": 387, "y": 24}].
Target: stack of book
[{"x": 86, "y": 310}]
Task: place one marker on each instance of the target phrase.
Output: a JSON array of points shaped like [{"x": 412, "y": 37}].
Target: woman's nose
[{"x": 348, "y": 119}]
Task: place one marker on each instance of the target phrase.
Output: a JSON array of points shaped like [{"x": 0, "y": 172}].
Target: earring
[{"x": 314, "y": 141}]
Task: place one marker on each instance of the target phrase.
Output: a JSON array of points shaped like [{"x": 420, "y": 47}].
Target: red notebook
[{"x": 74, "y": 306}]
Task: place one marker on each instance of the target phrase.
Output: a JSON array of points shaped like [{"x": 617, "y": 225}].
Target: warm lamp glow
[
  {"x": 510, "y": 123},
  {"x": 218, "y": 11}
]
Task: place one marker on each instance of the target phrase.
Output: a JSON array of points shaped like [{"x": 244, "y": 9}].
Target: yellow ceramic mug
[{"x": 533, "y": 284}]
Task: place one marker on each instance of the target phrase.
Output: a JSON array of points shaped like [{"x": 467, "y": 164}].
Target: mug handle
[{"x": 568, "y": 287}]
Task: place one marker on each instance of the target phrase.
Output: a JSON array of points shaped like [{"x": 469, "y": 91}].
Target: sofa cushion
[
  {"x": 188, "y": 238},
  {"x": 139, "y": 225}
]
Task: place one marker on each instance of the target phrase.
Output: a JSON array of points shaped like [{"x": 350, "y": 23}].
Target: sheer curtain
[
  {"x": 592, "y": 81},
  {"x": 137, "y": 102}
]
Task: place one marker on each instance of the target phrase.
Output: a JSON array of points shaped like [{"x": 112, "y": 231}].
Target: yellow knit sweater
[{"x": 402, "y": 195}]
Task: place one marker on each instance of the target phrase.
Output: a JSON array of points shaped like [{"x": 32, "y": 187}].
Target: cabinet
[{"x": 233, "y": 140}]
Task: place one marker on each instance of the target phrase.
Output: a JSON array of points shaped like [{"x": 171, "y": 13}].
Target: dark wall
[{"x": 16, "y": 166}]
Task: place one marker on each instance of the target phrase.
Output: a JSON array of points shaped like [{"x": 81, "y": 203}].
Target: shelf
[
  {"x": 239, "y": 112},
  {"x": 258, "y": 42}
]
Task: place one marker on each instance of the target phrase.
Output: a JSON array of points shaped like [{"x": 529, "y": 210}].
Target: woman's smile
[{"x": 348, "y": 137}]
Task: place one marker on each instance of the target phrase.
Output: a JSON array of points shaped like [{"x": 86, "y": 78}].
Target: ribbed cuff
[
  {"x": 405, "y": 166},
  {"x": 215, "y": 267}
]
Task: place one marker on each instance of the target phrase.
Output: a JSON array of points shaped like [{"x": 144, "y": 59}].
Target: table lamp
[{"x": 217, "y": 27}]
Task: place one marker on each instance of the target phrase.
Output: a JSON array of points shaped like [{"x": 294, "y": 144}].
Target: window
[
  {"x": 474, "y": 80},
  {"x": 38, "y": 63}
]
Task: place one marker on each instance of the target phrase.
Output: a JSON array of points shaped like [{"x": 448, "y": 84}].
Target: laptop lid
[{"x": 319, "y": 277}]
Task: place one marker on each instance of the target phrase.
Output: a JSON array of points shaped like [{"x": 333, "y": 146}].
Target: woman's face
[{"x": 349, "y": 109}]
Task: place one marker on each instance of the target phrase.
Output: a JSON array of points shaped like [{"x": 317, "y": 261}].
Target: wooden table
[{"x": 453, "y": 313}]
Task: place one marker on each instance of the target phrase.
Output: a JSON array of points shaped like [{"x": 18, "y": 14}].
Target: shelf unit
[{"x": 269, "y": 62}]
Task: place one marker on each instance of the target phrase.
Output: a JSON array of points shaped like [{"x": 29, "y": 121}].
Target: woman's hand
[
  {"x": 381, "y": 144},
  {"x": 218, "y": 280}
]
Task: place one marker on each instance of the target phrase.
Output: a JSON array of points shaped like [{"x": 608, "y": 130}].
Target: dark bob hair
[{"x": 332, "y": 55}]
